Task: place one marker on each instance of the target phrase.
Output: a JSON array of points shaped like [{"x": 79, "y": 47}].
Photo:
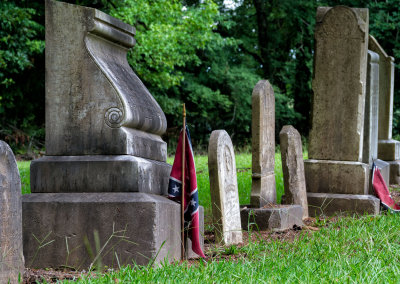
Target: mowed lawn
[{"x": 350, "y": 249}]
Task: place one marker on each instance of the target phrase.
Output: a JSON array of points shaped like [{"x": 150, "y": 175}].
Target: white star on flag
[
  {"x": 175, "y": 189},
  {"x": 193, "y": 202}
]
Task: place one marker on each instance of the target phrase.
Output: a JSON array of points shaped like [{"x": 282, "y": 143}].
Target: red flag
[
  {"x": 191, "y": 196},
  {"x": 381, "y": 189}
]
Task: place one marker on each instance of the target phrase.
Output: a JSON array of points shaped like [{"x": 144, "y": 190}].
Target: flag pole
[{"x": 183, "y": 184}]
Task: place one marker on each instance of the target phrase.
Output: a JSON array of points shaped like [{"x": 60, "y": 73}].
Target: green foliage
[
  {"x": 198, "y": 52},
  {"x": 18, "y": 42},
  {"x": 21, "y": 75},
  {"x": 168, "y": 36},
  {"x": 385, "y": 27}
]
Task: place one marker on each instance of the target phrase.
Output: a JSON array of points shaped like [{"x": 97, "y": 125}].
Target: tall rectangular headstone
[
  {"x": 293, "y": 168},
  {"x": 370, "y": 151},
  {"x": 263, "y": 188},
  {"x": 388, "y": 148},
  {"x": 11, "y": 254},
  {"x": 105, "y": 167},
  {"x": 336, "y": 167},
  {"x": 340, "y": 70},
  {"x": 224, "y": 188}
]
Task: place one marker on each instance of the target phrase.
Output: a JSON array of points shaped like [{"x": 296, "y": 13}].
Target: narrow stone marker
[
  {"x": 11, "y": 254},
  {"x": 224, "y": 189},
  {"x": 263, "y": 187},
  {"x": 293, "y": 168}
]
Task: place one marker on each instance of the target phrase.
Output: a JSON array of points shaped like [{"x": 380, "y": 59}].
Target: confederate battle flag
[
  {"x": 191, "y": 196},
  {"x": 382, "y": 191}
]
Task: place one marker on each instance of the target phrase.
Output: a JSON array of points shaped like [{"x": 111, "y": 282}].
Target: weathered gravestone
[
  {"x": 293, "y": 168},
  {"x": 224, "y": 188},
  {"x": 370, "y": 147},
  {"x": 11, "y": 255},
  {"x": 104, "y": 174},
  {"x": 337, "y": 179},
  {"x": 388, "y": 148},
  {"x": 263, "y": 187},
  {"x": 263, "y": 213}
]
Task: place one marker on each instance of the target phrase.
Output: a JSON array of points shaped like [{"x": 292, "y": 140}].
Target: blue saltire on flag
[{"x": 191, "y": 196}]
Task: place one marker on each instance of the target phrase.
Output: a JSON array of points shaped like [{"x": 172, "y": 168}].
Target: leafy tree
[{"x": 21, "y": 73}]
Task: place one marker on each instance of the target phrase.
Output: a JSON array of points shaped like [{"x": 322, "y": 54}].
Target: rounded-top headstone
[
  {"x": 293, "y": 168},
  {"x": 11, "y": 254},
  {"x": 224, "y": 189}
]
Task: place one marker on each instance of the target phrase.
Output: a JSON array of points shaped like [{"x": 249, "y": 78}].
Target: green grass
[
  {"x": 24, "y": 172},
  {"x": 243, "y": 166},
  {"x": 352, "y": 250},
  {"x": 361, "y": 249}
]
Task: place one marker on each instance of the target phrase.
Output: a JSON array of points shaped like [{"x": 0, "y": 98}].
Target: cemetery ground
[{"x": 341, "y": 249}]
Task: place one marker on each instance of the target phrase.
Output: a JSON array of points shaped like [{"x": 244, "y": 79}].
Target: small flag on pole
[
  {"x": 382, "y": 191},
  {"x": 191, "y": 196}
]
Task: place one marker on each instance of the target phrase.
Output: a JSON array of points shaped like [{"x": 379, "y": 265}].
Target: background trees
[{"x": 198, "y": 52}]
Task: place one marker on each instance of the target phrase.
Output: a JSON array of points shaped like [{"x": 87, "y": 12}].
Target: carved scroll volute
[
  {"x": 108, "y": 42},
  {"x": 95, "y": 103}
]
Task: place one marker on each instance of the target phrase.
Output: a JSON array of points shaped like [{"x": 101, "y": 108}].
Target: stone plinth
[
  {"x": 224, "y": 189},
  {"x": 11, "y": 255},
  {"x": 279, "y": 217},
  {"x": 101, "y": 173},
  {"x": 142, "y": 222},
  {"x": 394, "y": 172},
  {"x": 340, "y": 66},
  {"x": 328, "y": 204},
  {"x": 325, "y": 176},
  {"x": 389, "y": 150},
  {"x": 384, "y": 168},
  {"x": 263, "y": 187},
  {"x": 293, "y": 168}
]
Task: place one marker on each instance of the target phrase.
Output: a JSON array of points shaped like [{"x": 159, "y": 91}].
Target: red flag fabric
[
  {"x": 191, "y": 196},
  {"x": 381, "y": 189}
]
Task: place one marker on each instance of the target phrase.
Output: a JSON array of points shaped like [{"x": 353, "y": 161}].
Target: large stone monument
[
  {"x": 224, "y": 188},
  {"x": 11, "y": 255},
  {"x": 388, "y": 149},
  {"x": 263, "y": 187},
  {"x": 336, "y": 176},
  {"x": 104, "y": 173},
  {"x": 293, "y": 168}
]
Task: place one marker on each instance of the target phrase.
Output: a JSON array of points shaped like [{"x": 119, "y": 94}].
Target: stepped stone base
[
  {"x": 114, "y": 173},
  {"x": 60, "y": 229},
  {"x": 329, "y": 204},
  {"x": 278, "y": 218},
  {"x": 389, "y": 150},
  {"x": 394, "y": 172},
  {"x": 327, "y": 176},
  {"x": 384, "y": 168}
]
